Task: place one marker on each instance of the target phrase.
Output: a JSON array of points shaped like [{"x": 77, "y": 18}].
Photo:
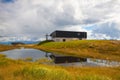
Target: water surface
[
  {"x": 25, "y": 53},
  {"x": 63, "y": 60}
]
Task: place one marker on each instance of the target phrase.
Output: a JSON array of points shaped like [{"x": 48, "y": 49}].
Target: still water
[
  {"x": 63, "y": 60},
  {"x": 25, "y": 53}
]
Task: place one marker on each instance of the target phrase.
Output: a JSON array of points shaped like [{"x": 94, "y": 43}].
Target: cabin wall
[{"x": 65, "y": 39}]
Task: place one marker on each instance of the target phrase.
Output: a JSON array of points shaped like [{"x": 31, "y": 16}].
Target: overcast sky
[{"x": 32, "y": 19}]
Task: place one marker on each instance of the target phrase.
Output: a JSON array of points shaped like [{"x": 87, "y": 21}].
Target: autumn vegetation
[
  {"x": 26, "y": 70},
  {"x": 21, "y": 70}
]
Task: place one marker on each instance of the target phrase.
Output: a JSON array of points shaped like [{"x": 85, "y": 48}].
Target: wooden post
[{"x": 46, "y": 37}]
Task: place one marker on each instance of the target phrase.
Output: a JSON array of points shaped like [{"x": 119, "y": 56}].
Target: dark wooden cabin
[{"x": 62, "y": 36}]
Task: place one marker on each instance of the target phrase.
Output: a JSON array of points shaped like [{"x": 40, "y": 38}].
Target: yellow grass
[
  {"x": 102, "y": 49},
  {"x": 22, "y": 70},
  {"x": 6, "y": 47}
]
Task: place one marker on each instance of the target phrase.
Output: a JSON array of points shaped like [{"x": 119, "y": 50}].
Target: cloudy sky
[{"x": 32, "y": 19}]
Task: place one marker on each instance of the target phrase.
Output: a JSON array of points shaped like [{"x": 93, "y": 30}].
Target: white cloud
[{"x": 35, "y": 18}]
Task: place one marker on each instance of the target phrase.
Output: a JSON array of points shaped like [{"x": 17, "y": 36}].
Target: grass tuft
[{"x": 41, "y": 73}]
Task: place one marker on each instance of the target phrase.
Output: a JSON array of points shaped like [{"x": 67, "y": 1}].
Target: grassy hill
[
  {"x": 102, "y": 49},
  {"x": 22, "y": 70}
]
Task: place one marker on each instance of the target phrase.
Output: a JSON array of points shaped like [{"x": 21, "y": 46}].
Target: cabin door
[{"x": 64, "y": 40}]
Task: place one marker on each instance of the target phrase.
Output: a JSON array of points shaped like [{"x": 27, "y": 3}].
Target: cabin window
[
  {"x": 64, "y": 40},
  {"x": 78, "y": 34}
]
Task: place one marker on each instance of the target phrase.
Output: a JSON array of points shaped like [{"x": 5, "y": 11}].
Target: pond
[
  {"x": 57, "y": 59},
  {"x": 23, "y": 53}
]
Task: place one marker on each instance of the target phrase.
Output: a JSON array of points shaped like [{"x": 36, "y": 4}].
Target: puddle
[{"x": 63, "y": 60}]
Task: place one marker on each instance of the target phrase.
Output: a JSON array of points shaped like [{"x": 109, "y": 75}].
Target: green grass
[
  {"x": 46, "y": 41},
  {"x": 102, "y": 49}
]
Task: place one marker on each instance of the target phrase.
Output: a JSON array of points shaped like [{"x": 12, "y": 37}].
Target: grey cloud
[
  {"x": 109, "y": 29},
  {"x": 101, "y": 11},
  {"x": 35, "y": 18},
  {"x": 66, "y": 17}
]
